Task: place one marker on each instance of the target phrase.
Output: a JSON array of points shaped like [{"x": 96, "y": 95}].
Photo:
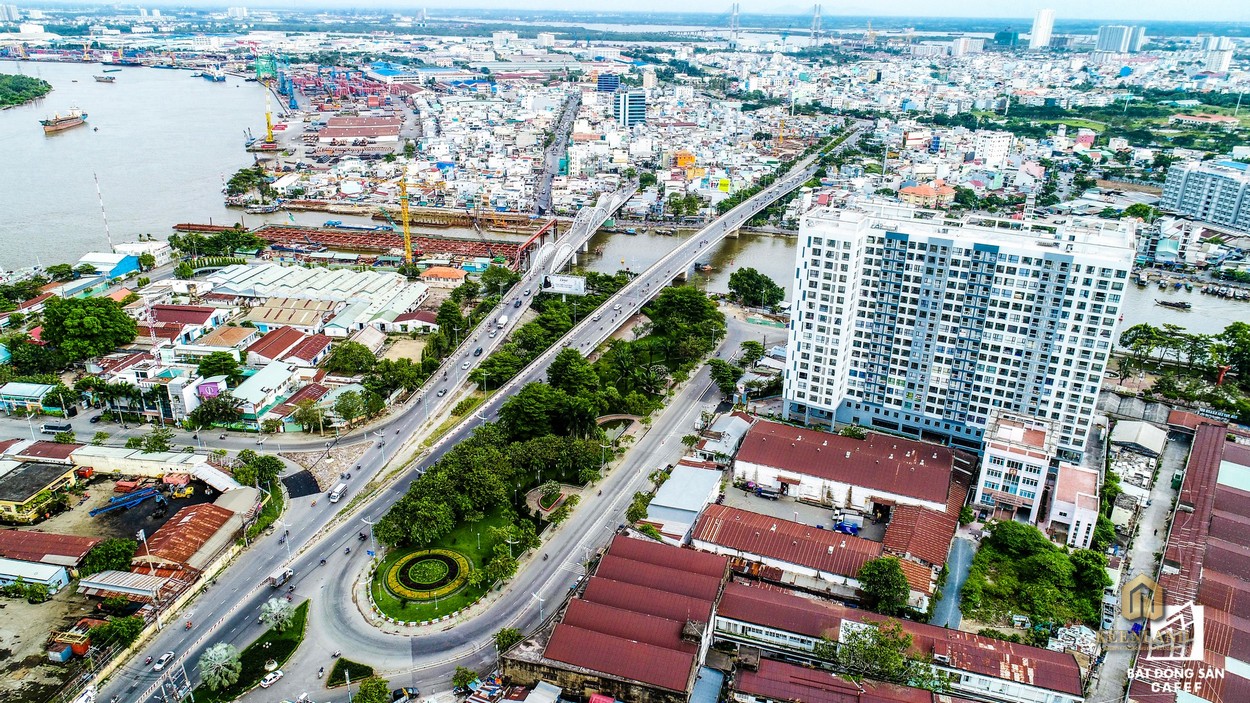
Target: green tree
[
  {"x": 466, "y": 292},
  {"x": 118, "y": 631},
  {"x": 309, "y": 414},
  {"x": 277, "y": 613},
  {"x": 60, "y": 272},
  {"x": 222, "y": 409},
  {"x": 754, "y": 289},
  {"x": 184, "y": 271},
  {"x": 506, "y": 637},
  {"x": 690, "y": 440},
  {"x": 572, "y": 373},
  {"x": 221, "y": 364},
  {"x": 449, "y": 320},
  {"x": 134, "y": 443},
  {"x": 1141, "y": 211},
  {"x": 350, "y": 358},
  {"x": 725, "y": 375},
  {"x": 373, "y": 690},
  {"x": 220, "y": 666},
  {"x": 86, "y": 327},
  {"x": 158, "y": 440},
  {"x": 463, "y": 677},
  {"x": 498, "y": 279},
  {"x": 881, "y": 651},
  {"x": 884, "y": 585},
  {"x": 752, "y": 352},
  {"x": 550, "y": 490},
  {"x": 528, "y": 413},
  {"x": 147, "y": 262},
  {"x": 99, "y": 438},
  {"x": 114, "y": 554},
  {"x": 349, "y": 406},
  {"x": 86, "y": 270},
  {"x": 65, "y": 437}
]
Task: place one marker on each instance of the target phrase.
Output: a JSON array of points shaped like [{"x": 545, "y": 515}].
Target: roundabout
[{"x": 426, "y": 574}]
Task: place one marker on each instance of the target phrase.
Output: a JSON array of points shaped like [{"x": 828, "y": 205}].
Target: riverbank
[{"x": 16, "y": 90}]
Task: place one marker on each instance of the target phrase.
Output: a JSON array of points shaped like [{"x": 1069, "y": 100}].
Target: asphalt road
[
  {"x": 551, "y": 157},
  {"x": 946, "y": 612},
  {"x": 228, "y": 610}
]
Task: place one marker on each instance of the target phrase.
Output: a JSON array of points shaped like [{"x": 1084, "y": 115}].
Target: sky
[{"x": 1124, "y": 10}]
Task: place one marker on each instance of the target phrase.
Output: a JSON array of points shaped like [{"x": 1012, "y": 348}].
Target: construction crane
[
  {"x": 403, "y": 211},
  {"x": 86, "y": 52},
  {"x": 268, "y": 120}
]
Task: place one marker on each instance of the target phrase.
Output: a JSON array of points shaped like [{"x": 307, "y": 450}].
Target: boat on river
[
  {"x": 1174, "y": 304},
  {"x": 59, "y": 122},
  {"x": 105, "y": 79}
]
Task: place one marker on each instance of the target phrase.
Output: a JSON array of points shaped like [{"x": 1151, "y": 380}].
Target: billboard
[{"x": 568, "y": 285}]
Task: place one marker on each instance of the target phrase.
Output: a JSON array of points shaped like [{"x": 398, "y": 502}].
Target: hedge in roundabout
[{"x": 427, "y": 574}]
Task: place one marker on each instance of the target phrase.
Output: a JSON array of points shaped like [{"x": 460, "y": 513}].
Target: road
[
  {"x": 946, "y": 613},
  {"x": 229, "y": 609},
  {"x": 558, "y": 147}
]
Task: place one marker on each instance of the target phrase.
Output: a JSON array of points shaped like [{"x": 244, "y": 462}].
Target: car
[
  {"x": 527, "y": 292},
  {"x": 163, "y": 661},
  {"x": 616, "y": 307},
  {"x": 596, "y": 317},
  {"x": 477, "y": 352},
  {"x": 494, "y": 333},
  {"x": 442, "y": 392},
  {"x": 516, "y": 303},
  {"x": 271, "y": 678},
  {"x": 96, "y": 418}
]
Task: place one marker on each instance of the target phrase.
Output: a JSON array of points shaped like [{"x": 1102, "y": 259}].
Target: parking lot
[{"x": 789, "y": 509}]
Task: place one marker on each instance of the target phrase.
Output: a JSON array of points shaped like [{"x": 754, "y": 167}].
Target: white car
[
  {"x": 616, "y": 307},
  {"x": 165, "y": 659},
  {"x": 271, "y": 678},
  {"x": 465, "y": 365}
]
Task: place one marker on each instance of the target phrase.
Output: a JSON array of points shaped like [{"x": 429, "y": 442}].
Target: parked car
[
  {"x": 96, "y": 418},
  {"x": 271, "y": 678},
  {"x": 163, "y": 661}
]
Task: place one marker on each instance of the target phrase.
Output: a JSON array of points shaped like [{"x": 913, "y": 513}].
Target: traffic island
[
  {"x": 423, "y": 585},
  {"x": 345, "y": 669},
  {"x": 272, "y": 646}
]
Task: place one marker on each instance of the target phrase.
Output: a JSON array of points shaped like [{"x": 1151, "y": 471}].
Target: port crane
[{"x": 403, "y": 211}]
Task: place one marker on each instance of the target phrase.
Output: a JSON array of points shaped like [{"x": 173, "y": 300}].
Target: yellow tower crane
[
  {"x": 269, "y": 121},
  {"x": 403, "y": 213}
]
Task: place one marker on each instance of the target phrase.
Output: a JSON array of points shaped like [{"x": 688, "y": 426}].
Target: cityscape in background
[{"x": 423, "y": 354}]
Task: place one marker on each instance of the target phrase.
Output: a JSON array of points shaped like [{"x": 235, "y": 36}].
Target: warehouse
[
  {"x": 45, "y": 548},
  {"x": 30, "y": 572},
  {"x": 27, "y": 488}
]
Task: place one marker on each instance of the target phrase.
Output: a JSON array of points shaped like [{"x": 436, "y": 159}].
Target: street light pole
[{"x": 540, "y": 606}]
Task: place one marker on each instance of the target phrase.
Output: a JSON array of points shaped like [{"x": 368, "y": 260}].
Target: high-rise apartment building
[
  {"x": 992, "y": 146},
  {"x": 608, "y": 83},
  {"x": 924, "y": 325},
  {"x": 1218, "y": 61},
  {"x": 1043, "y": 26},
  {"x": 1209, "y": 43},
  {"x": 546, "y": 40},
  {"x": 630, "y": 107},
  {"x": 1217, "y": 192},
  {"x": 9, "y": 13},
  {"x": 1120, "y": 39}
]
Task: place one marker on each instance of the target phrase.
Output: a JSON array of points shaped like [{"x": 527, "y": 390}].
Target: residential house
[
  {"x": 423, "y": 321},
  {"x": 442, "y": 277},
  {"x": 264, "y": 389},
  {"x": 196, "y": 320}
]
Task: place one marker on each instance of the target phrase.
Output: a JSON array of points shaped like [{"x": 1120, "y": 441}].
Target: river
[
  {"x": 774, "y": 255},
  {"x": 162, "y": 143}
]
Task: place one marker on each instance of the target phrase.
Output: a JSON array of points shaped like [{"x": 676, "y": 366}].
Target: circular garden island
[{"x": 423, "y": 585}]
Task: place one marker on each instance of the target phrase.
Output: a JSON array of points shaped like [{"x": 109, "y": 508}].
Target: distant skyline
[{"x": 1143, "y": 11}]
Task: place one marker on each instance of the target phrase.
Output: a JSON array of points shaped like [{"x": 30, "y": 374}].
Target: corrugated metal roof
[
  {"x": 922, "y": 533},
  {"x": 1056, "y": 671},
  {"x": 784, "y": 540},
  {"x": 627, "y": 624},
  {"x": 660, "y": 578},
  {"x": 640, "y": 599},
  {"x": 186, "y": 532},
  {"x": 657, "y": 666},
  {"x": 664, "y": 555},
  {"x": 28, "y": 545},
  {"x": 780, "y": 681},
  {"x": 881, "y": 462}
]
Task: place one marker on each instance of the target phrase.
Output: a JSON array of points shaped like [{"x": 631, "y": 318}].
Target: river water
[
  {"x": 161, "y": 142},
  {"x": 774, "y": 255}
]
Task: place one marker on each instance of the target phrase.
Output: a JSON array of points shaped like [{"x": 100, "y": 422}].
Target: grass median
[{"x": 278, "y": 646}]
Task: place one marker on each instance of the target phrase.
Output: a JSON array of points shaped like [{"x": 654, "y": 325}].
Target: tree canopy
[
  {"x": 113, "y": 554},
  {"x": 86, "y": 327},
  {"x": 350, "y": 358},
  {"x": 753, "y": 289},
  {"x": 221, "y": 364},
  {"x": 884, "y": 585}
]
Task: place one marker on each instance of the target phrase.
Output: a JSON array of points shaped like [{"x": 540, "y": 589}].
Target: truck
[
  {"x": 502, "y": 322},
  {"x": 280, "y": 577}
]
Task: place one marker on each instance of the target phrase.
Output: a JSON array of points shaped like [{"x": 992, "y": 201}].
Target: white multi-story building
[
  {"x": 1120, "y": 39},
  {"x": 1218, "y": 61},
  {"x": 992, "y": 147},
  {"x": 1215, "y": 192},
  {"x": 1043, "y": 25},
  {"x": 912, "y": 322},
  {"x": 1016, "y": 459},
  {"x": 1074, "y": 506}
]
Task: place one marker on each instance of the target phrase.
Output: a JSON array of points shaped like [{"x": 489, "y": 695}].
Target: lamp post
[
  {"x": 373, "y": 551},
  {"x": 540, "y": 605},
  {"x": 604, "y": 462},
  {"x": 286, "y": 537}
]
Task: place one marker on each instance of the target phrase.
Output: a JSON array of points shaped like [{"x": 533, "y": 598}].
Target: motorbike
[
  {"x": 321, "y": 672},
  {"x": 223, "y": 435},
  {"x": 347, "y": 550},
  {"x": 336, "y": 654},
  {"x": 362, "y": 537},
  {"x": 188, "y": 625},
  {"x": 323, "y": 562},
  {"x": 544, "y": 557}
]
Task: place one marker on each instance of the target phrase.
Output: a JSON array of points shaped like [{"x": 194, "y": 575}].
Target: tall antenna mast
[{"x": 100, "y": 197}]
